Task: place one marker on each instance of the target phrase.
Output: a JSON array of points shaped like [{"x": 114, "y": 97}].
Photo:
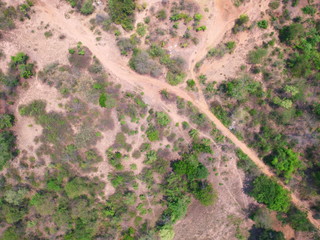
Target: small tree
[
  {"x": 6, "y": 121},
  {"x": 269, "y": 192}
]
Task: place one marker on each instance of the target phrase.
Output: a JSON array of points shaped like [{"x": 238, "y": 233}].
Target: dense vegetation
[
  {"x": 83, "y": 6},
  {"x": 122, "y": 12}
]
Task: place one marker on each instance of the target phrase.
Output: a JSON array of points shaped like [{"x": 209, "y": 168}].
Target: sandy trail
[{"x": 114, "y": 63}]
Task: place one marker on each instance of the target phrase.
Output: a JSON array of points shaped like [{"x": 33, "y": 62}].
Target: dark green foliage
[
  {"x": 290, "y": 33},
  {"x": 7, "y": 147},
  {"x": 191, "y": 167},
  {"x": 122, "y": 12},
  {"x": 103, "y": 100},
  {"x": 316, "y": 109},
  {"x": 115, "y": 159},
  {"x": 203, "y": 192},
  {"x": 266, "y": 234},
  {"x": 19, "y": 63},
  {"x": 269, "y": 192},
  {"x": 295, "y": 3},
  {"x": 242, "y": 88},
  {"x": 263, "y": 24},
  {"x": 220, "y": 113},
  {"x": 6, "y": 121},
  {"x": 298, "y": 220},
  {"x": 310, "y": 10}
]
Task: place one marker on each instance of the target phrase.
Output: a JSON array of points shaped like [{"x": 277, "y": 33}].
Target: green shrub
[
  {"x": 240, "y": 23},
  {"x": 310, "y": 10},
  {"x": 122, "y": 12},
  {"x": 103, "y": 100},
  {"x": 285, "y": 161},
  {"x": 76, "y": 187},
  {"x": 141, "y": 29},
  {"x": 290, "y": 33},
  {"x": 197, "y": 17},
  {"x": 257, "y": 56},
  {"x": 269, "y": 192},
  {"x": 152, "y": 134},
  {"x": 203, "y": 191},
  {"x": 87, "y": 7},
  {"x": 231, "y": 45},
  {"x": 295, "y": 3},
  {"x": 162, "y": 119},
  {"x": 221, "y": 114},
  {"x": 263, "y": 24},
  {"x": 7, "y": 147},
  {"x": 201, "y": 28},
  {"x": 174, "y": 79},
  {"x": 6, "y": 121}
]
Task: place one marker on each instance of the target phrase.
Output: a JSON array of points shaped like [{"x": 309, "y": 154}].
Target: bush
[
  {"x": 290, "y": 33},
  {"x": 141, "y": 29},
  {"x": 7, "y": 147},
  {"x": 285, "y": 161},
  {"x": 310, "y": 10},
  {"x": 161, "y": 14},
  {"x": 6, "y": 121},
  {"x": 266, "y": 234},
  {"x": 126, "y": 45},
  {"x": 162, "y": 119},
  {"x": 143, "y": 64},
  {"x": 274, "y": 4},
  {"x": 269, "y": 192},
  {"x": 256, "y": 56},
  {"x": 76, "y": 187},
  {"x": 240, "y": 23},
  {"x": 87, "y": 7},
  {"x": 263, "y": 24},
  {"x": 152, "y": 134},
  {"x": 231, "y": 45},
  {"x": 298, "y": 220},
  {"x": 174, "y": 79},
  {"x": 122, "y": 12},
  {"x": 197, "y": 17},
  {"x": 203, "y": 191}
]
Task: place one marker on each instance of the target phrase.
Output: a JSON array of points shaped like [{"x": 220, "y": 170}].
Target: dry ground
[{"x": 200, "y": 223}]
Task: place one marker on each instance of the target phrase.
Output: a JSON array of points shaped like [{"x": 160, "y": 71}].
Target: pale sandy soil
[{"x": 221, "y": 18}]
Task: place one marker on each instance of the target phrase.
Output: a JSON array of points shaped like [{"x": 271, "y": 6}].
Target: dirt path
[{"x": 114, "y": 63}]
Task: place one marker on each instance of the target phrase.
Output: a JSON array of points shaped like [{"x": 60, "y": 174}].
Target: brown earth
[{"x": 223, "y": 14}]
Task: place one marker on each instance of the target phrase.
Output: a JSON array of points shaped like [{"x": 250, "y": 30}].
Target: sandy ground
[{"x": 75, "y": 29}]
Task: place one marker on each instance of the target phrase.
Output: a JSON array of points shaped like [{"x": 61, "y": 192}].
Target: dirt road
[{"x": 109, "y": 56}]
